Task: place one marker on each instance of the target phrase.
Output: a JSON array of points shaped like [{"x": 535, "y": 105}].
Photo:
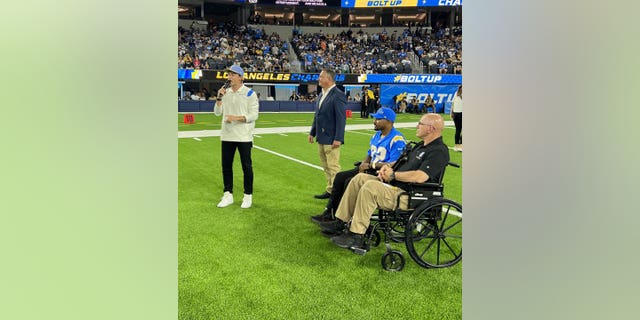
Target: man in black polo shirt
[{"x": 365, "y": 193}]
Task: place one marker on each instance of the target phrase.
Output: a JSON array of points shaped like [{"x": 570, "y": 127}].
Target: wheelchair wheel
[
  {"x": 393, "y": 260},
  {"x": 434, "y": 234}
]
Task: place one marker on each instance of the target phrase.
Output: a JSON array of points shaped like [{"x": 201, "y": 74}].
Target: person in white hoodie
[
  {"x": 456, "y": 116},
  {"x": 238, "y": 106}
]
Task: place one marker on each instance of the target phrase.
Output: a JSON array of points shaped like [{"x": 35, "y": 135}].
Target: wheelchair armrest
[
  {"x": 425, "y": 185},
  {"x": 418, "y": 193}
]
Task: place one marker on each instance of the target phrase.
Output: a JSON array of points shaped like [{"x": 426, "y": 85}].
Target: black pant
[
  {"x": 457, "y": 120},
  {"x": 371, "y": 108},
  {"x": 340, "y": 183},
  {"x": 228, "y": 152},
  {"x": 363, "y": 111}
]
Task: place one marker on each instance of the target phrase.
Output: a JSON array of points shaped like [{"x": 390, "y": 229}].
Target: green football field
[{"x": 270, "y": 261}]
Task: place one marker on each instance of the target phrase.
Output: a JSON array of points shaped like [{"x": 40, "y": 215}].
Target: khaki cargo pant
[
  {"x": 364, "y": 194},
  {"x": 330, "y": 160}
]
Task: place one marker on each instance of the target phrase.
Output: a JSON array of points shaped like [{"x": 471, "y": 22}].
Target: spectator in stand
[{"x": 442, "y": 67}]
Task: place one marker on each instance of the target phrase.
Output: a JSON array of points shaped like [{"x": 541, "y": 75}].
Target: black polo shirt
[{"x": 432, "y": 159}]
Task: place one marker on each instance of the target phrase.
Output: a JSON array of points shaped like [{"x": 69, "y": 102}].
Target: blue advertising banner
[
  {"x": 411, "y": 78},
  {"x": 442, "y": 94}
]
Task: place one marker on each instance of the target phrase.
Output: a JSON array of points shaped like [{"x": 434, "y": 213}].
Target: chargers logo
[
  {"x": 362, "y": 78},
  {"x": 304, "y": 77},
  {"x": 449, "y": 2}
]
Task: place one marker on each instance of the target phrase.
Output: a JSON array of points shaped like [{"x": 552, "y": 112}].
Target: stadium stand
[{"x": 225, "y": 44}]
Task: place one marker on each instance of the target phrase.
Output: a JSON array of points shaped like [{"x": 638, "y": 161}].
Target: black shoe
[
  {"x": 331, "y": 233},
  {"x": 325, "y": 195},
  {"x": 335, "y": 226},
  {"x": 325, "y": 216},
  {"x": 349, "y": 240}
]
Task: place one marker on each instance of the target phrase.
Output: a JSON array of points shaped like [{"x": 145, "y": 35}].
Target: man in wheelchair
[
  {"x": 365, "y": 193},
  {"x": 385, "y": 147}
]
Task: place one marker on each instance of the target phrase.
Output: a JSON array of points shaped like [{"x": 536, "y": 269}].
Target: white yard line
[
  {"x": 196, "y": 139},
  {"x": 366, "y": 134},
  {"x": 289, "y": 158},
  {"x": 454, "y": 212}
]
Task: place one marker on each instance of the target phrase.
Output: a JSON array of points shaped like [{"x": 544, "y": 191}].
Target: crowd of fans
[
  {"x": 220, "y": 46},
  {"x": 350, "y": 52},
  {"x": 440, "y": 51},
  {"x": 223, "y": 45}
]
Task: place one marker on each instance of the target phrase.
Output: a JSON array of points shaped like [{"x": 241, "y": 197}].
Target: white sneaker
[
  {"x": 227, "y": 199},
  {"x": 246, "y": 202}
]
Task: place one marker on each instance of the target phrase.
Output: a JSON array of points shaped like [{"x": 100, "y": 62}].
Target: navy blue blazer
[{"x": 330, "y": 120}]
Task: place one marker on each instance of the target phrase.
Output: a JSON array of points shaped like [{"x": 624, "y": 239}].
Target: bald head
[
  {"x": 430, "y": 127},
  {"x": 436, "y": 121}
]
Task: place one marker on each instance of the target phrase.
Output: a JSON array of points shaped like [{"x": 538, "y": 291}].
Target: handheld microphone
[{"x": 225, "y": 86}]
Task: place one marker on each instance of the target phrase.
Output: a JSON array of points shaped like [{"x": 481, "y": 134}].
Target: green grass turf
[
  {"x": 208, "y": 121},
  {"x": 270, "y": 261}
]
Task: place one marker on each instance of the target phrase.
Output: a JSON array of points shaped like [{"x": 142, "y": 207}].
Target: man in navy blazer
[{"x": 328, "y": 127}]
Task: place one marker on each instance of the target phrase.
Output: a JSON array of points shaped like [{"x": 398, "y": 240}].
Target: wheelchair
[{"x": 429, "y": 225}]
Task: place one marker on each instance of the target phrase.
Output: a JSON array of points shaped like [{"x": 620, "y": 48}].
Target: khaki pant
[
  {"x": 330, "y": 159},
  {"x": 364, "y": 194}
]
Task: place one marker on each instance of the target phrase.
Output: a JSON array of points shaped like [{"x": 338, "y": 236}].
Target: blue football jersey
[{"x": 387, "y": 148}]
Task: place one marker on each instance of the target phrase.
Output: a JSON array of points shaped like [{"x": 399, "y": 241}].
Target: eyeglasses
[{"x": 425, "y": 124}]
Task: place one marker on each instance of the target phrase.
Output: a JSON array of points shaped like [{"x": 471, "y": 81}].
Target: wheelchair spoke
[
  {"x": 451, "y": 226},
  {"x": 450, "y": 249},
  {"x": 446, "y": 215},
  {"x": 438, "y": 252},
  {"x": 428, "y": 246}
]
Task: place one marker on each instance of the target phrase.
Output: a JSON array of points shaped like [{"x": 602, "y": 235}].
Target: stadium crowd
[
  {"x": 358, "y": 52},
  {"x": 439, "y": 52},
  {"x": 223, "y": 45},
  {"x": 354, "y": 52}
]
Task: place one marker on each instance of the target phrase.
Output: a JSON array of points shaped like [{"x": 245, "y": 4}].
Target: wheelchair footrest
[{"x": 359, "y": 250}]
